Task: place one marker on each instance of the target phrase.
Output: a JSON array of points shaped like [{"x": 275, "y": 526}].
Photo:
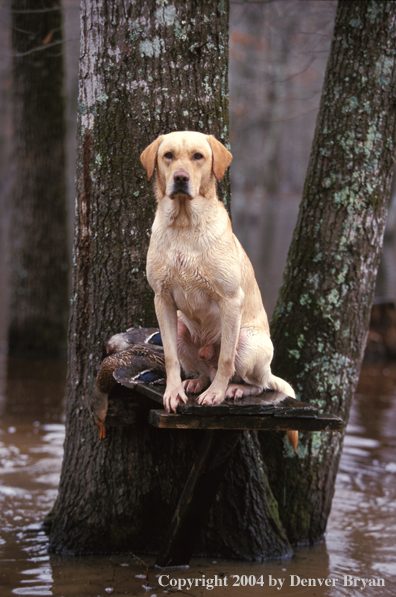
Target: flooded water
[{"x": 360, "y": 540}]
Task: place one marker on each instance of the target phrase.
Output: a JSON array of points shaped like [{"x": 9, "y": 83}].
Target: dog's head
[{"x": 187, "y": 163}]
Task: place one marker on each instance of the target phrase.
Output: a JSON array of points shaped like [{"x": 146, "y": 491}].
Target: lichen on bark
[
  {"x": 321, "y": 317},
  {"x": 147, "y": 68}
]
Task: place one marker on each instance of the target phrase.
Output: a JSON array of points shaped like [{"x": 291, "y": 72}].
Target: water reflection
[
  {"x": 362, "y": 526},
  {"x": 31, "y": 448},
  {"x": 361, "y": 529}
]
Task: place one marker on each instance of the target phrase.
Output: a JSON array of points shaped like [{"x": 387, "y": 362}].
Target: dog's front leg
[
  {"x": 167, "y": 318},
  {"x": 231, "y": 313}
]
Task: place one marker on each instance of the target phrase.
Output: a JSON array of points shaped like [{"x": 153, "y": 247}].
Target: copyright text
[{"x": 293, "y": 580}]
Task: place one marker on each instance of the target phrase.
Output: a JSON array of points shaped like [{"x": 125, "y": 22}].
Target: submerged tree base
[{"x": 243, "y": 523}]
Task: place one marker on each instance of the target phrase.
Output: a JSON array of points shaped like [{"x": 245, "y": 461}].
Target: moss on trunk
[
  {"x": 146, "y": 68},
  {"x": 321, "y": 317}
]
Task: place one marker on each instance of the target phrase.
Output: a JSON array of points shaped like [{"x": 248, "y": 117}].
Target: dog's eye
[
  {"x": 168, "y": 155},
  {"x": 198, "y": 156}
]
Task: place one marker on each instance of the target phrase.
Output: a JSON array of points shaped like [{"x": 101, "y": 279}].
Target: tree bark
[
  {"x": 146, "y": 68},
  {"x": 39, "y": 297},
  {"x": 321, "y": 318}
]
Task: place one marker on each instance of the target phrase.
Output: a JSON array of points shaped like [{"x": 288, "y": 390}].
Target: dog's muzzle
[{"x": 181, "y": 184}]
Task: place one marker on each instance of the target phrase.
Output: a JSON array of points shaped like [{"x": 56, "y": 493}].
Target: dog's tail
[{"x": 280, "y": 385}]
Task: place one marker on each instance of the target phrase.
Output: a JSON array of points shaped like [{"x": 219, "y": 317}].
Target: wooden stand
[{"x": 225, "y": 423}]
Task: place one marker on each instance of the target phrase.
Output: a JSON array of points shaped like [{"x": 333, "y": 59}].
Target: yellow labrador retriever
[{"x": 207, "y": 301}]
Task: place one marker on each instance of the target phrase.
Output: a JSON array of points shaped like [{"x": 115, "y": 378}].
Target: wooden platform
[
  {"x": 268, "y": 411},
  {"x": 224, "y": 424}
]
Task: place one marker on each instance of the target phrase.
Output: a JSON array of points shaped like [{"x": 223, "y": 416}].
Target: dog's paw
[
  {"x": 209, "y": 398},
  {"x": 196, "y": 385},
  {"x": 172, "y": 398},
  {"x": 236, "y": 390}
]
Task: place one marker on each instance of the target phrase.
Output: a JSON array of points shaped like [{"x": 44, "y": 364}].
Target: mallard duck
[
  {"x": 141, "y": 362},
  {"x": 132, "y": 336}
]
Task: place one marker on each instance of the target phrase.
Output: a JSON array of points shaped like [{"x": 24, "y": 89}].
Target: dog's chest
[
  {"x": 184, "y": 275},
  {"x": 187, "y": 274}
]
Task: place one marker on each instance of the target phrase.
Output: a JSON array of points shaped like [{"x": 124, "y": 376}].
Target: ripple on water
[{"x": 41, "y": 591}]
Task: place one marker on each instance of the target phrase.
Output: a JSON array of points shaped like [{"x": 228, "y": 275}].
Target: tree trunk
[
  {"x": 321, "y": 318},
  {"x": 39, "y": 299},
  {"x": 146, "y": 69}
]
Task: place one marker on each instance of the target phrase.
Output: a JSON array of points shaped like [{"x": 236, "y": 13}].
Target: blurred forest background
[{"x": 278, "y": 55}]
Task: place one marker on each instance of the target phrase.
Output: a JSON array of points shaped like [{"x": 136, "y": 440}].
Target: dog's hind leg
[
  {"x": 194, "y": 360},
  {"x": 252, "y": 363}
]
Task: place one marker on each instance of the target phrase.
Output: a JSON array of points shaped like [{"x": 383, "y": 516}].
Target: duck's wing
[
  {"x": 146, "y": 364},
  {"x": 132, "y": 336}
]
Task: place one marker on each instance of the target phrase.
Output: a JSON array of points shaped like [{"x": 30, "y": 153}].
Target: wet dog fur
[{"x": 208, "y": 304}]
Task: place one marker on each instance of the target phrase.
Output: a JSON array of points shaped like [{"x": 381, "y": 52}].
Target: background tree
[
  {"x": 278, "y": 57},
  {"x": 38, "y": 243},
  {"x": 321, "y": 318},
  {"x": 146, "y": 68}
]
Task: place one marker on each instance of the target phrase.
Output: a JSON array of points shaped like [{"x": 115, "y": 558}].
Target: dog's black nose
[{"x": 181, "y": 176}]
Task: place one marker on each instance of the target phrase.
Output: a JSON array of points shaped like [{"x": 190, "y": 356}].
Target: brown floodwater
[{"x": 360, "y": 539}]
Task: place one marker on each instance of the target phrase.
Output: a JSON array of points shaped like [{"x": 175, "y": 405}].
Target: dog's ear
[
  {"x": 221, "y": 157},
  {"x": 149, "y": 157}
]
